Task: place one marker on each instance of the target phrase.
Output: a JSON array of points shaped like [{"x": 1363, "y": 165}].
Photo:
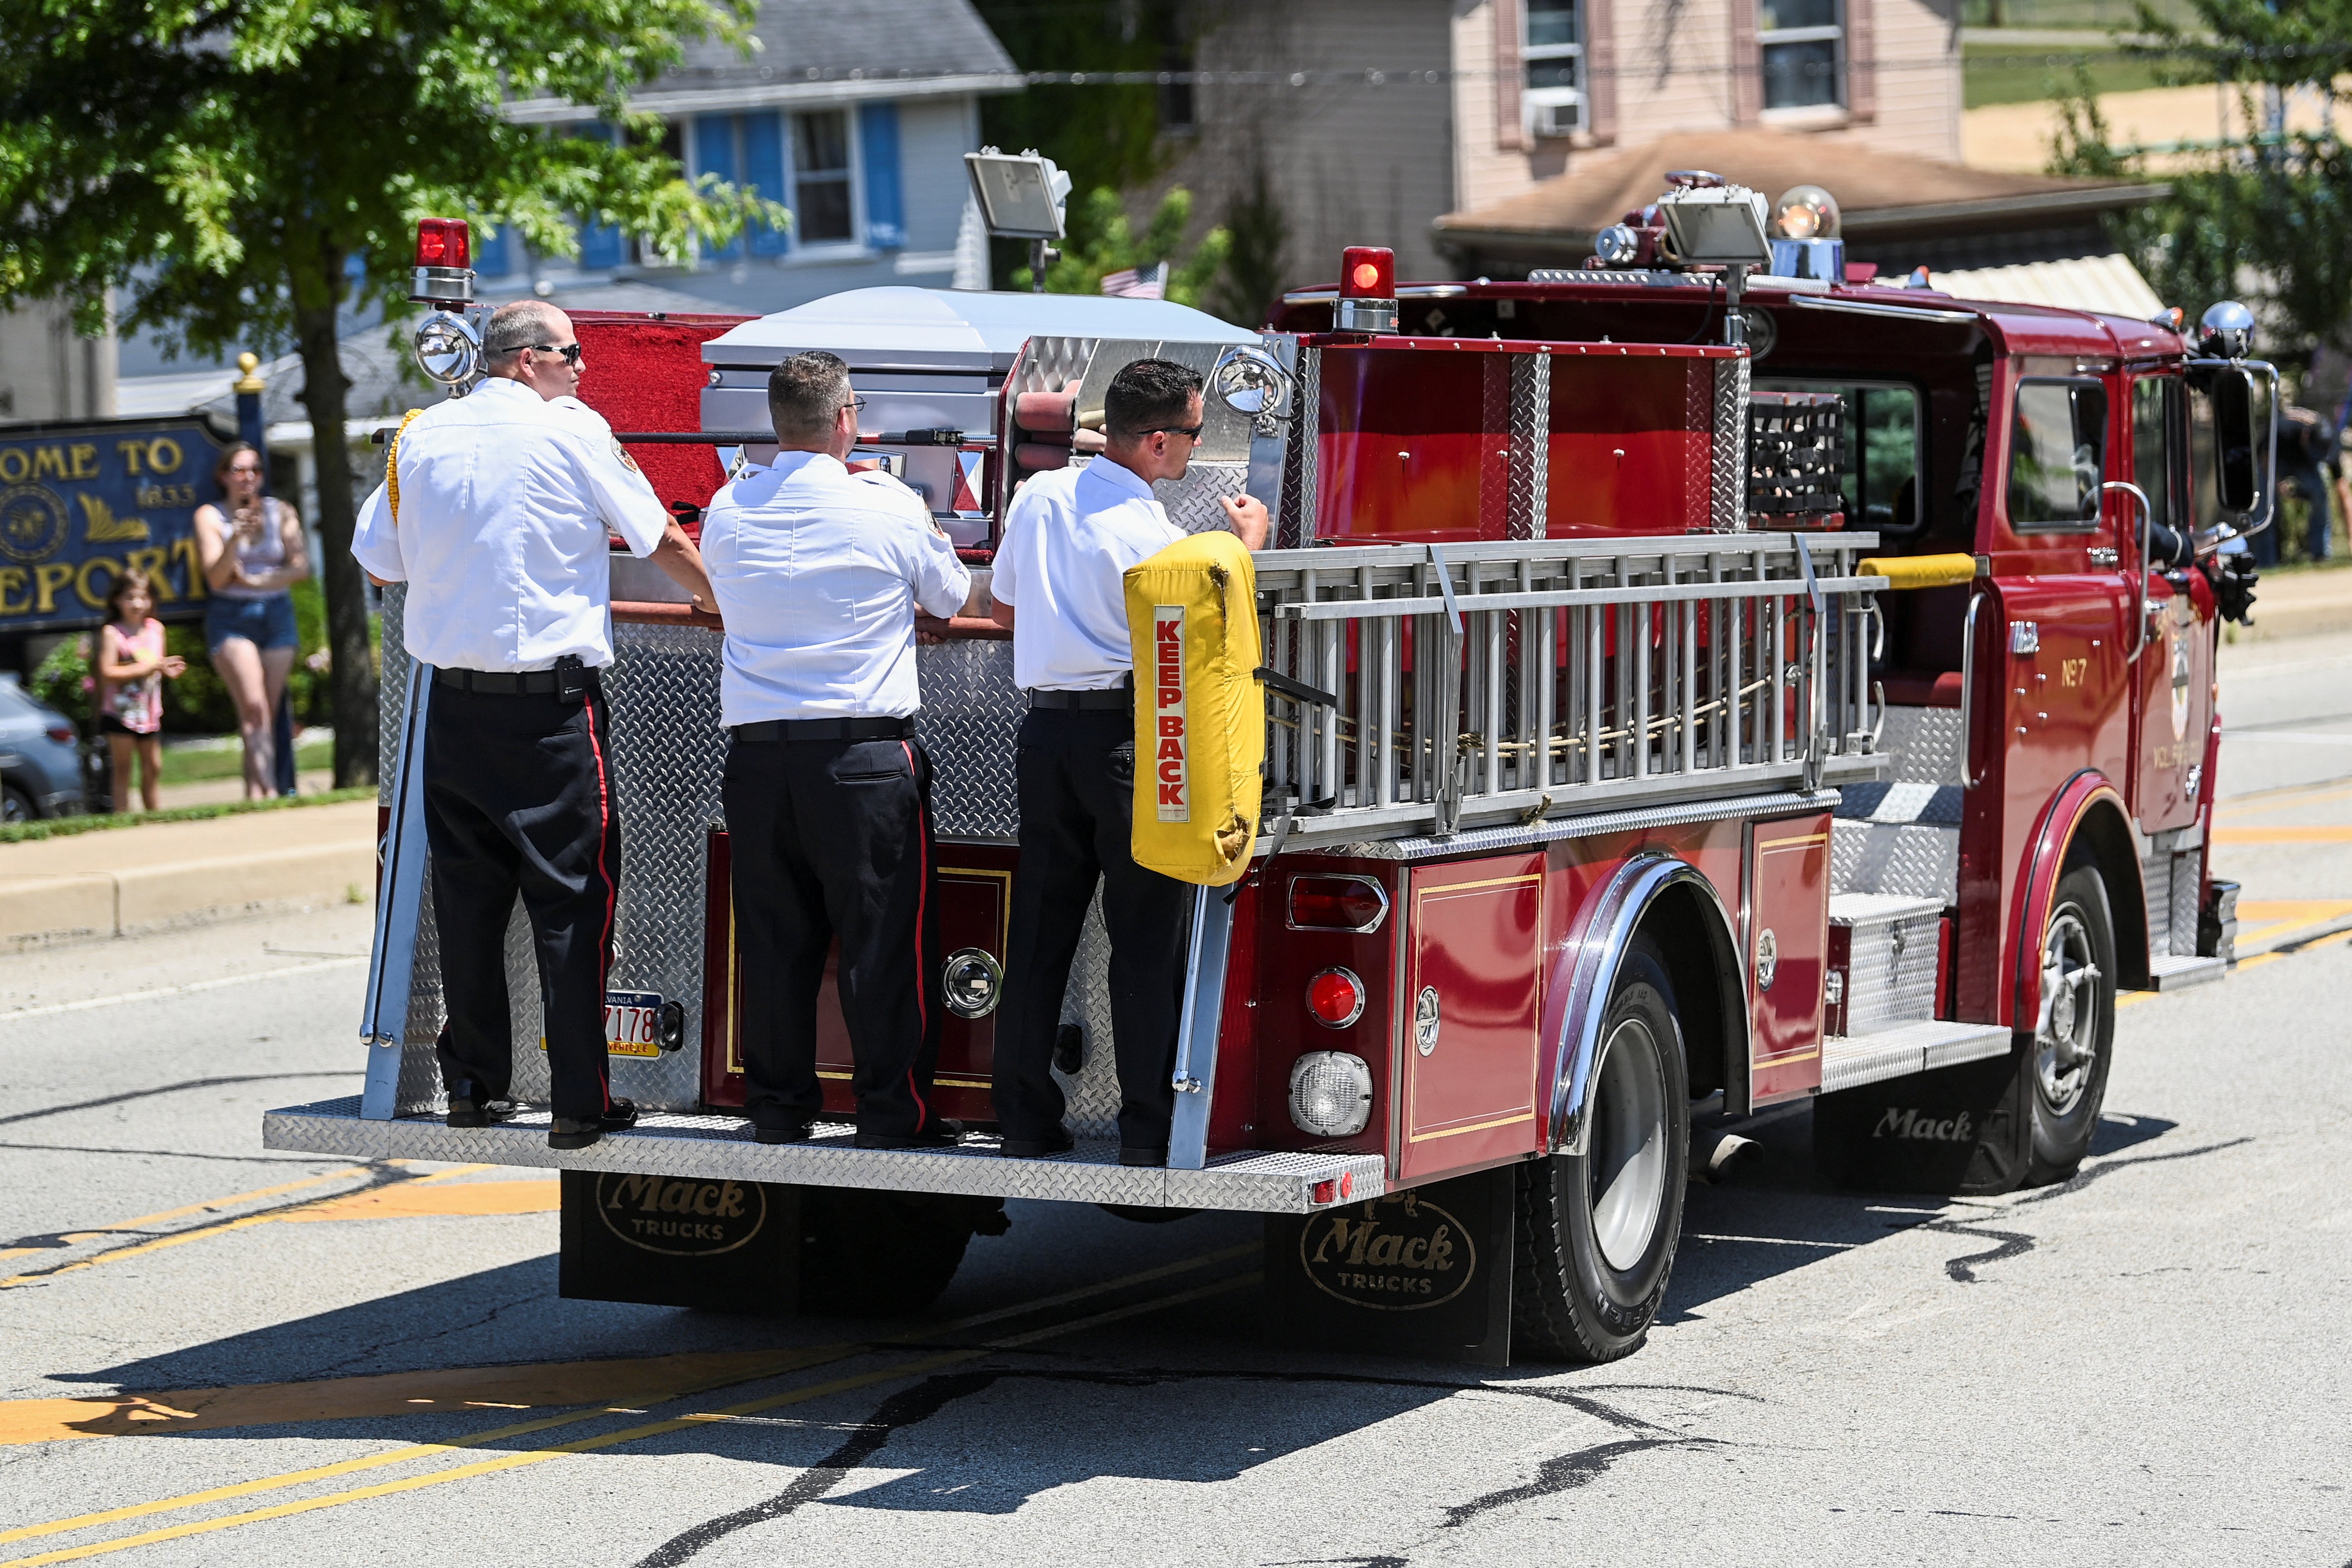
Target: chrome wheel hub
[
  {"x": 1628, "y": 1159},
  {"x": 2066, "y": 1037}
]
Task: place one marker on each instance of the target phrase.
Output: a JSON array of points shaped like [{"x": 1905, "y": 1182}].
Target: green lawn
[
  {"x": 2011, "y": 73},
  {"x": 184, "y": 766}
]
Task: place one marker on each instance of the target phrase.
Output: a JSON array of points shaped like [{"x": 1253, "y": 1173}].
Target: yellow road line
[
  {"x": 181, "y": 1237},
  {"x": 815, "y": 1356},
  {"x": 2309, "y": 833},
  {"x": 628, "y": 1435},
  {"x": 148, "y": 1219}
]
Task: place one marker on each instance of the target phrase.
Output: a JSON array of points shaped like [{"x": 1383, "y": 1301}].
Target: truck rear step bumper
[
  {"x": 665, "y": 1145},
  {"x": 1920, "y": 1046}
]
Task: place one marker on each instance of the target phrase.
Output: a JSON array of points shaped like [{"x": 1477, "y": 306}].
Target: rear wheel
[
  {"x": 2074, "y": 1035},
  {"x": 15, "y": 805},
  {"x": 867, "y": 1254},
  {"x": 1596, "y": 1232}
]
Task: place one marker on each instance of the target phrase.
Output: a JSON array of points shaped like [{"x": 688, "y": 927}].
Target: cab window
[
  {"x": 1880, "y": 480},
  {"x": 2057, "y": 456},
  {"x": 2155, "y": 455}
]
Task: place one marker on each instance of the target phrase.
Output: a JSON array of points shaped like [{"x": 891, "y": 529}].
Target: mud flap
[
  {"x": 680, "y": 1241},
  {"x": 1424, "y": 1273},
  {"x": 1964, "y": 1130}
]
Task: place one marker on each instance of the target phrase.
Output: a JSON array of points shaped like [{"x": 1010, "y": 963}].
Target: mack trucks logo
[
  {"x": 1915, "y": 1128},
  {"x": 1394, "y": 1254},
  {"x": 680, "y": 1216},
  {"x": 1171, "y": 765}
]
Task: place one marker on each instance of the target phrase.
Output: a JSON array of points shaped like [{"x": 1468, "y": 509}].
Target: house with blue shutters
[{"x": 856, "y": 117}]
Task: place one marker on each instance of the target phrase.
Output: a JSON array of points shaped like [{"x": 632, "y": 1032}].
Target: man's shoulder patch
[{"x": 623, "y": 454}]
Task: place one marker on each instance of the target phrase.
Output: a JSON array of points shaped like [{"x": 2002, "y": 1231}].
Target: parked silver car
[{"x": 40, "y": 762}]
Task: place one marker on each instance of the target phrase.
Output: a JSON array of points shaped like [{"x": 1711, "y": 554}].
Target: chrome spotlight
[
  {"x": 2226, "y": 330},
  {"x": 1252, "y": 383},
  {"x": 447, "y": 349}
]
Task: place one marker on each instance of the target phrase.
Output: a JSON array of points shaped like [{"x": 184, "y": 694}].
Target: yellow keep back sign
[{"x": 1199, "y": 714}]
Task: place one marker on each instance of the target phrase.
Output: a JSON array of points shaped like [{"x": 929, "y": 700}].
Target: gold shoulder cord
[{"x": 392, "y": 463}]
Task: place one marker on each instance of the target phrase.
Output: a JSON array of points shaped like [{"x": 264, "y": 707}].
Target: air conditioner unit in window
[{"x": 1556, "y": 118}]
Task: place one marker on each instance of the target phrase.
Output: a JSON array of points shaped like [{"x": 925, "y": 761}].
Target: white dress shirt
[
  {"x": 818, "y": 571},
  {"x": 505, "y": 502},
  {"x": 1069, "y": 537}
]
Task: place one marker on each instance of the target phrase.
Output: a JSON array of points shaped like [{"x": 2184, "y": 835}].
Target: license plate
[{"x": 632, "y": 1024}]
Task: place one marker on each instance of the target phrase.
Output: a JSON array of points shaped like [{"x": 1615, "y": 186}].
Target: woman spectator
[
  {"x": 252, "y": 551},
  {"x": 132, "y": 670}
]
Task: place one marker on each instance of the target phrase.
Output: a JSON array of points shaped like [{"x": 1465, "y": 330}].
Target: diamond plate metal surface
[
  {"x": 721, "y": 1146},
  {"x": 1530, "y": 445},
  {"x": 1191, "y": 501},
  {"x": 971, "y": 713},
  {"x": 1906, "y": 859},
  {"x": 1093, "y": 1095},
  {"x": 1849, "y": 1062},
  {"x": 1925, "y": 743},
  {"x": 2188, "y": 901},
  {"x": 2155, "y": 893},
  {"x": 1296, "y": 525},
  {"x": 1729, "y": 490},
  {"x": 1891, "y": 959}
]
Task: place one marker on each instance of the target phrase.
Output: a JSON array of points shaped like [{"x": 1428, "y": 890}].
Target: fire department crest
[
  {"x": 2180, "y": 686},
  {"x": 32, "y": 523}
]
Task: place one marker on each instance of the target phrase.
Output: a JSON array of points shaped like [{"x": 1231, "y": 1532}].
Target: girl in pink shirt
[{"x": 132, "y": 670}]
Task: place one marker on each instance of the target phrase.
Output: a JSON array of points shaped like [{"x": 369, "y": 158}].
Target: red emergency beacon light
[
  {"x": 1367, "y": 289},
  {"x": 444, "y": 262}
]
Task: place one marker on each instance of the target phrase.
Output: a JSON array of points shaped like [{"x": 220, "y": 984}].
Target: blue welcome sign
[{"x": 79, "y": 503}]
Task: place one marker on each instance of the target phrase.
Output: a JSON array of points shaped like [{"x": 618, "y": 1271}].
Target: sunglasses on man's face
[
  {"x": 1192, "y": 430},
  {"x": 571, "y": 351}
]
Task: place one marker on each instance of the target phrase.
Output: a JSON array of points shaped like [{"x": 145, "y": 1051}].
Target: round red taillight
[{"x": 1336, "y": 998}]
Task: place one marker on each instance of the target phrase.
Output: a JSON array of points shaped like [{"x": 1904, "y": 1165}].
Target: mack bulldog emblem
[
  {"x": 681, "y": 1216},
  {"x": 1394, "y": 1254}
]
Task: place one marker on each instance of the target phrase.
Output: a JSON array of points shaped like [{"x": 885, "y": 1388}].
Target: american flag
[{"x": 1138, "y": 282}]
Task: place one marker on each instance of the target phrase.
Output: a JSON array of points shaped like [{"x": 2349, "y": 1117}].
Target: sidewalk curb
[{"x": 38, "y": 911}]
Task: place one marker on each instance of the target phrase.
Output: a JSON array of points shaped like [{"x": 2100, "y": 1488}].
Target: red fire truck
[{"x": 1690, "y": 690}]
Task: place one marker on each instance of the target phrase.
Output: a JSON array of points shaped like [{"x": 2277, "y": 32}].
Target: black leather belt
[
  {"x": 1111, "y": 699},
  {"x": 504, "y": 682},
  {"x": 825, "y": 730}
]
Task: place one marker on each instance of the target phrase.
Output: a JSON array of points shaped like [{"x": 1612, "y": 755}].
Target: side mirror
[{"x": 2237, "y": 477}]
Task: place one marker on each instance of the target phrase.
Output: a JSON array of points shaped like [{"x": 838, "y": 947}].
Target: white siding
[{"x": 933, "y": 136}]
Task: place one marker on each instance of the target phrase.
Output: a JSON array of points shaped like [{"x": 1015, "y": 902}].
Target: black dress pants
[
  {"x": 832, "y": 839},
  {"x": 1076, "y": 779},
  {"x": 519, "y": 800}
]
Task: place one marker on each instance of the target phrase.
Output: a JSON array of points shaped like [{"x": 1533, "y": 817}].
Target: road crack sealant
[
  {"x": 911, "y": 1407},
  {"x": 2017, "y": 1244}
]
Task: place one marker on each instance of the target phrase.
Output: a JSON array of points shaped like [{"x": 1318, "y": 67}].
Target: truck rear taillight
[
  {"x": 62, "y": 733},
  {"x": 1367, "y": 290},
  {"x": 1336, "y": 903},
  {"x": 1336, "y": 998}
]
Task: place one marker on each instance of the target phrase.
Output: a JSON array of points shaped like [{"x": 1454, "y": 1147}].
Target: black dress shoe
[
  {"x": 1147, "y": 1157},
  {"x": 579, "y": 1131},
  {"x": 1057, "y": 1141},
  {"x": 789, "y": 1133},
  {"x": 465, "y": 1110},
  {"x": 938, "y": 1132}
]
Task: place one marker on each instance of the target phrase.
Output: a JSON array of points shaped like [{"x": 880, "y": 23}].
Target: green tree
[
  {"x": 1113, "y": 246},
  {"x": 242, "y": 170},
  {"x": 1256, "y": 267},
  {"x": 2269, "y": 217}
]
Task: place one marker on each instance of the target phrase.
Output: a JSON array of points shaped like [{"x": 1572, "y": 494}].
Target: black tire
[
  {"x": 15, "y": 805},
  {"x": 2073, "y": 1043},
  {"x": 881, "y": 1254},
  {"x": 1596, "y": 1232}
]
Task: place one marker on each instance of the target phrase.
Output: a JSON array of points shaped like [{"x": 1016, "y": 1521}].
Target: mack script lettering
[
  {"x": 665, "y": 1213},
  {"x": 1391, "y": 1254},
  {"x": 1910, "y": 1124}
]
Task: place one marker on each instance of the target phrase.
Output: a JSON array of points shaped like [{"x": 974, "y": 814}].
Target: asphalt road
[{"x": 209, "y": 1354}]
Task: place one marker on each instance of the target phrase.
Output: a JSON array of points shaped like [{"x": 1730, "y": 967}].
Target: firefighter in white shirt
[
  {"x": 496, "y": 513},
  {"x": 819, "y": 573},
  {"x": 1069, "y": 537}
]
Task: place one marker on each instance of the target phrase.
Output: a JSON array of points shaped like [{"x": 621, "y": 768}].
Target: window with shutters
[
  {"x": 824, "y": 211},
  {"x": 1803, "y": 46},
  {"x": 1551, "y": 53}
]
